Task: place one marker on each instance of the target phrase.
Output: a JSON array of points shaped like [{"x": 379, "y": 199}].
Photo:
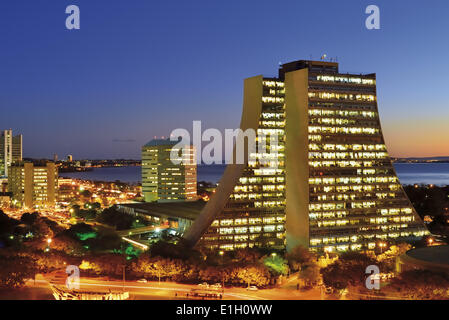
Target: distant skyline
[{"x": 140, "y": 69}]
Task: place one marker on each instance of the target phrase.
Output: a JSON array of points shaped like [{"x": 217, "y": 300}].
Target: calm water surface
[{"x": 409, "y": 173}]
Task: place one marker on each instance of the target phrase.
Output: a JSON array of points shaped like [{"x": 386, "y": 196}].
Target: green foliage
[
  {"x": 14, "y": 270},
  {"x": 130, "y": 251},
  {"x": 175, "y": 251},
  {"x": 253, "y": 275},
  {"x": 348, "y": 270},
  {"x": 111, "y": 216},
  {"x": 158, "y": 267},
  {"x": 421, "y": 285},
  {"x": 276, "y": 265},
  {"x": 298, "y": 256},
  {"x": 309, "y": 273},
  {"x": 7, "y": 226}
]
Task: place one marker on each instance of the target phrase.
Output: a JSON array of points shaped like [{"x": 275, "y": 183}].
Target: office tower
[
  {"x": 10, "y": 150},
  {"x": 163, "y": 180},
  {"x": 69, "y": 158},
  {"x": 335, "y": 188},
  {"x": 55, "y": 158},
  {"x": 33, "y": 185}
]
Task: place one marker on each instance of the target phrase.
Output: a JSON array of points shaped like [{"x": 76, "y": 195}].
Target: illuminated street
[{"x": 166, "y": 290}]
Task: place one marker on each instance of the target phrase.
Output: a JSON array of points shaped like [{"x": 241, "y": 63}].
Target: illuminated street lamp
[
  {"x": 430, "y": 241},
  {"x": 382, "y": 245},
  {"x": 49, "y": 240}
]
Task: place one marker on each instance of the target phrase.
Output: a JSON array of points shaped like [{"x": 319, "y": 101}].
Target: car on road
[
  {"x": 204, "y": 285},
  {"x": 328, "y": 290},
  {"x": 252, "y": 288},
  {"x": 142, "y": 281}
]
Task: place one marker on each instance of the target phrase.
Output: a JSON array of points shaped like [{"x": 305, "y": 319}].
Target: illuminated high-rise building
[
  {"x": 334, "y": 189},
  {"x": 10, "y": 150},
  {"x": 162, "y": 179},
  {"x": 33, "y": 185}
]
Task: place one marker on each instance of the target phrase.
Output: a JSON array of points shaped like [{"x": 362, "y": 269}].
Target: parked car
[
  {"x": 142, "y": 281},
  {"x": 216, "y": 286},
  {"x": 252, "y": 288},
  {"x": 204, "y": 285}
]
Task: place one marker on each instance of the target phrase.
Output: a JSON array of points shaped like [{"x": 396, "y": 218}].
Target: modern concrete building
[
  {"x": 10, "y": 150},
  {"x": 33, "y": 185},
  {"x": 175, "y": 215},
  {"x": 162, "y": 179},
  {"x": 334, "y": 189}
]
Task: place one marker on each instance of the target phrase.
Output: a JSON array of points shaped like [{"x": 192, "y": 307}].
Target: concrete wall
[
  {"x": 252, "y": 108},
  {"x": 297, "y": 161}
]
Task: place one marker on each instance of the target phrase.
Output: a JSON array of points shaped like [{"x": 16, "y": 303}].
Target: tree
[
  {"x": 298, "y": 256},
  {"x": 388, "y": 258},
  {"x": 310, "y": 273},
  {"x": 421, "y": 285},
  {"x": 63, "y": 242},
  {"x": 29, "y": 218},
  {"x": 248, "y": 255},
  {"x": 276, "y": 265},
  {"x": 158, "y": 267},
  {"x": 253, "y": 275},
  {"x": 14, "y": 270},
  {"x": 111, "y": 216},
  {"x": 348, "y": 271}
]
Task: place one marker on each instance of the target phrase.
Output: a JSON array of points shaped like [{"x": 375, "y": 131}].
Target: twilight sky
[{"x": 138, "y": 69}]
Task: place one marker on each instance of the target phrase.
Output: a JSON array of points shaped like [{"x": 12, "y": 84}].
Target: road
[{"x": 40, "y": 289}]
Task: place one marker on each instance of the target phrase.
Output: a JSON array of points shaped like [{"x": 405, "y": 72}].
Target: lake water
[{"x": 409, "y": 173}]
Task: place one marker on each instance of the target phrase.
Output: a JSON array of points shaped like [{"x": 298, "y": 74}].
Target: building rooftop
[
  {"x": 161, "y": 142},
  {"x": 435, "y": 254},
  {"x": 179, "y": 209}
]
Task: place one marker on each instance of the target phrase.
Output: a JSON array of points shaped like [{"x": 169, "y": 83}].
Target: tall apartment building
[
  {"x": 163, "y": 180},
  {"x": 335, "y": 188},
  {"x": 10, "y": 150},
  {"x": 33, "y": 186}
]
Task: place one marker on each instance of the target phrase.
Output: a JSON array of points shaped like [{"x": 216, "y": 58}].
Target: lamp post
[
  {"x": 124, "y": 266},
  {"x": 49, "y": 240},
  {"x": 382, "y": 245},
  {"x": 221, "y": 253}
]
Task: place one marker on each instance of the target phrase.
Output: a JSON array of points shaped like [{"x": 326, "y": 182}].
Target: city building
[
  {"x": 69, "y": 158},
  {"x": 10, "y": 150},
  {"x": 162, "y": 179},
  {"x": 33, "y": 185},
  {"x": 174, "y": 215},
  {"x": 334, "y": 188}
]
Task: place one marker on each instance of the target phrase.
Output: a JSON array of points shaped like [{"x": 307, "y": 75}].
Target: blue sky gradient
[{"x": 138, "y": 69}]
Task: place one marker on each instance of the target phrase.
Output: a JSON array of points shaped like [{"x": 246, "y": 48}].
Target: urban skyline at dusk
[
  {"x": 134, "y": 72},
  {"x": 236, "y": 153}
]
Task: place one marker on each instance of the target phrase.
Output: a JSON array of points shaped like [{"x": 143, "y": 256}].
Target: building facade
[
  {"x": 162, "y": 179},
  {"x": 10, "y": 150},
  {"x": 33, "y": 186},
  {"x": 335, "y": 188}
]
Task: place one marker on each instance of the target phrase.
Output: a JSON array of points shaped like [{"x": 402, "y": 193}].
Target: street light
[
  {"x": 430, "y": 241},
  {"x": 382, "y": 245}
]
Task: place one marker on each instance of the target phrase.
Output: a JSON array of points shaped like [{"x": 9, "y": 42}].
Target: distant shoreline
[{"x": 409, "y": 173}]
